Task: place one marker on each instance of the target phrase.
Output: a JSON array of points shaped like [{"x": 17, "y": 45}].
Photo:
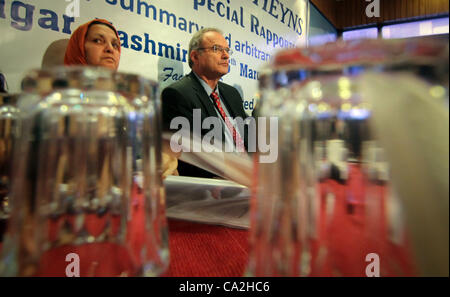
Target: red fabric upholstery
[
  {"x": 352, "y": 232},
  {"x": 206, "y": 251}
]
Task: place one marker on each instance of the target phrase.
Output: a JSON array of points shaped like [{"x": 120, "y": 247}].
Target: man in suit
[{"x": 201, "y": 89}]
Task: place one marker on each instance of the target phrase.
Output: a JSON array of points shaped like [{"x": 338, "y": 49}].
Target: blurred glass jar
[
  {"x": 344, "y": 197},
  {"x": 9, "y": 127},
  {"x": 74, "y": 192}
]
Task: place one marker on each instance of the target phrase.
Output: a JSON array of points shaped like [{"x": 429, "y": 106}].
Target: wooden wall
[
  {"x": 351, "y": 13},
  {"x": 328, "y": 8}
]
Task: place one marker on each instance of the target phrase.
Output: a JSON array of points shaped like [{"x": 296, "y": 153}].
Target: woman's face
[{"x": 102, "y": 47}]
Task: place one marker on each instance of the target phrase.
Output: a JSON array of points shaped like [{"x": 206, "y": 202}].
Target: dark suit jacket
[{"x": 187, "y": 94}]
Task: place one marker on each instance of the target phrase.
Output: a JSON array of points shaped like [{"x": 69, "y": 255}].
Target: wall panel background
[{"x": 352, "y": 13}]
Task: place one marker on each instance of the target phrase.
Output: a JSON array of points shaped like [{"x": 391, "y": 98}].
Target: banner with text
[{"x": 155, "y": 34}]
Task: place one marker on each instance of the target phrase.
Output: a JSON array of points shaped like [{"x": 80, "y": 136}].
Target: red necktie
[{"x": 236, "y": 137}]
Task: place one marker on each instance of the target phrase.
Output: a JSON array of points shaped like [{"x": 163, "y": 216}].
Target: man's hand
[{"x": 169, "y": 160}]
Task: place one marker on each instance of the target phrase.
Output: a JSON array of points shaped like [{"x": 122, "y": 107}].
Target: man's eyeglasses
[{"x": 217, "y": 48}]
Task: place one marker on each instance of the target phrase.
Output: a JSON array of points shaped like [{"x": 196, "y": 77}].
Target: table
[
  {"x": 346, "y": 236},
  {"x": 200, "y": 250}
]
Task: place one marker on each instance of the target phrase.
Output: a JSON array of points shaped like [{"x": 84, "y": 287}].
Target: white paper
[
  {"x": 204, "y": 200},
  {"x": 236, "y": 167}
]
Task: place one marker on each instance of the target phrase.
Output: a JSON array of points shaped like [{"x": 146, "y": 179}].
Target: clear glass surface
[
  {"x": 84, "y": 130},
  {"x": 363, "y": 162}
]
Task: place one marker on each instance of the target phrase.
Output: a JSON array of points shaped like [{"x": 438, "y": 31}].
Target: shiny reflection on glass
[{"x": 76, "y": 169}]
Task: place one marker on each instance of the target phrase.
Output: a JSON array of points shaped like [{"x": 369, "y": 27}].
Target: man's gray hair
[{"x": 197, "y": 39}]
